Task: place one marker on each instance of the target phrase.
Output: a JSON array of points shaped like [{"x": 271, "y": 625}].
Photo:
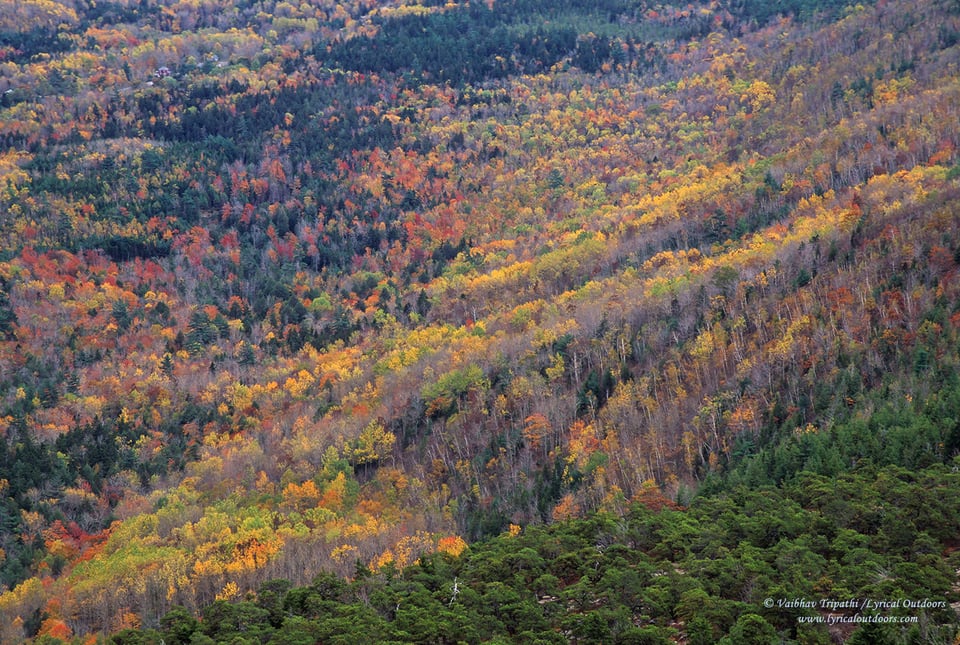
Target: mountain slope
[{"x": 288, "y": 289}]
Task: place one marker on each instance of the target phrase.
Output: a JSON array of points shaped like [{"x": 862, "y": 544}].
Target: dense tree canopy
[{"x": 484, "y": 321}]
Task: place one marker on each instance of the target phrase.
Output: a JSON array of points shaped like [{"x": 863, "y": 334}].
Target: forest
[{"x": 485, "y": 321}]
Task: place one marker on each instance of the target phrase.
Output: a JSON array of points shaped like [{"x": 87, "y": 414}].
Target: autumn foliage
[{"x": 293, "y": 289}]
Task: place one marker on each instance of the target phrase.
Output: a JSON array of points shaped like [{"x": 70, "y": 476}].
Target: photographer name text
[{"x": 854, "y": 604}]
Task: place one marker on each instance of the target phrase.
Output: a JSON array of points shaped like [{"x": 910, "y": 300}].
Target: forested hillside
[{"x": 534, "y": 321}]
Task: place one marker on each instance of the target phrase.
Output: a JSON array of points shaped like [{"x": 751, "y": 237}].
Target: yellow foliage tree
[{"x": 374, "y": 443}]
